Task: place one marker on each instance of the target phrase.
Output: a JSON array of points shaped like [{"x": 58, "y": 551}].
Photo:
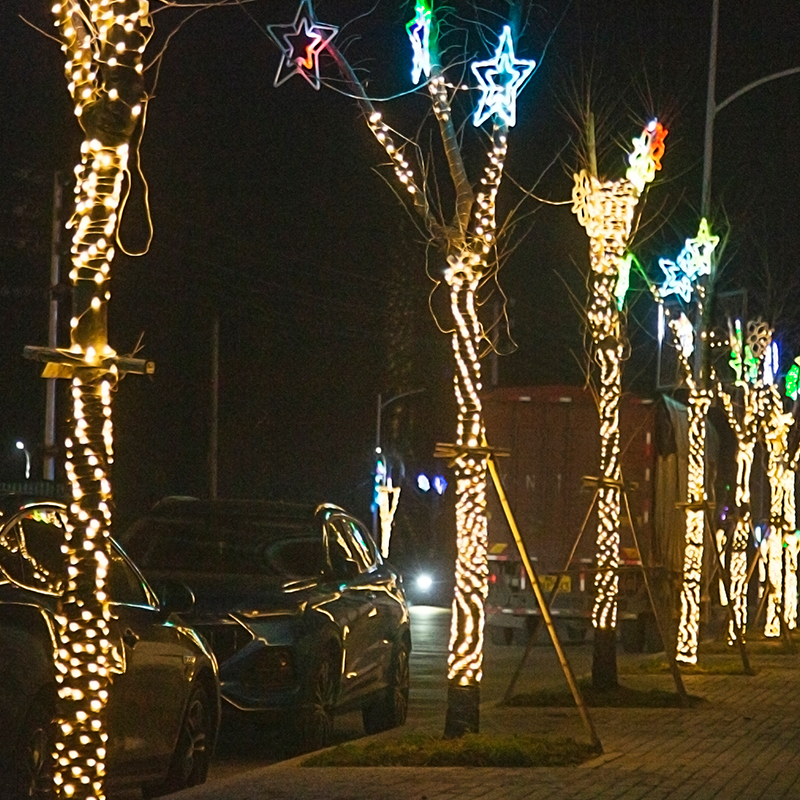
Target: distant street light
[{"x": 21, "y": 446}]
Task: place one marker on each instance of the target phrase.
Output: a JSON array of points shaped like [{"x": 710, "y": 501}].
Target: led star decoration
[
  {"x": 695, "y": 258},
  {"x": 301, "y": 43},
  {"x": 419, "y": 32},
  {"x": 675, "y": 281},
  {"x": 501, "y": 79},
  {"x": 646, "y": 156}
]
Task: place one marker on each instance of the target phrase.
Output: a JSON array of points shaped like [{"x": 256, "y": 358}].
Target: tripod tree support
[{"x": 548, "y": 620}]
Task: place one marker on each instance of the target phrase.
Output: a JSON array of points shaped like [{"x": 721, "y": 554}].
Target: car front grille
[{"x": 225, "y": 638}]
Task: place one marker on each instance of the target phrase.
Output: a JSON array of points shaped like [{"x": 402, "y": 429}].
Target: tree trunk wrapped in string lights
[
  {"x": 606, "y": 210},
  {"x": 682, "y": 278},
  {"x": 465, "y": 240},
  {"x": 782, "y": 545},
  {"x": 745, "y": 424},
  {"x": 103, "y": 42}
]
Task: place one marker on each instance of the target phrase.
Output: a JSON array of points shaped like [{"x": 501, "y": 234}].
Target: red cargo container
[{"x": 552, "y": 433}]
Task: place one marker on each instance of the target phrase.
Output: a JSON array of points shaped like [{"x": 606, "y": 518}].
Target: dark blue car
[{"x": 304, "y": 616}]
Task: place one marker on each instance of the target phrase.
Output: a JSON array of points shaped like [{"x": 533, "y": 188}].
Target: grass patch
[
  {"x": 659, "y": 666},
  {"x": 619, "y": 697},
  {"x": 758, "y": 647},
  {"x": 472, "y": 750}
]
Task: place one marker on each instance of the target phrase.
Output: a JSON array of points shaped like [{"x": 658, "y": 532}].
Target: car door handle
[{"x": 130, "y": 638}]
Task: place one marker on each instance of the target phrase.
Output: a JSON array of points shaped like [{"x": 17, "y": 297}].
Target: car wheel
[
  {"x": 314, "y": 726},
  {"x": 389, "y": 709},
  {"x": 33, "y": 766},
  {"x": 189, "y": 765}
]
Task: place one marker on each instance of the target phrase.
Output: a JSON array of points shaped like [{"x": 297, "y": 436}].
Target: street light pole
[
  {"x": 21, "y": 446},
  {"x": 378, "y": 416}
]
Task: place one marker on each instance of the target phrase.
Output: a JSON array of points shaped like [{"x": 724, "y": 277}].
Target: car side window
[
  {"x": 346, "y": 558},
  {"x": 362, "y": 542},
  {"x": 125, "y": 587},
  {"x": 30, "y": 550}
]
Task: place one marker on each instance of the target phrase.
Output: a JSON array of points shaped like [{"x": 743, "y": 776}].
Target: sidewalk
[{"x": 744, "y": 743}]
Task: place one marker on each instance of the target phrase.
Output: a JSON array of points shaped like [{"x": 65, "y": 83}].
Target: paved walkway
[{"x": 743, "y": 743}]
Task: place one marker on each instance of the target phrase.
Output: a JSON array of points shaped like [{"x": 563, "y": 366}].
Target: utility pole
[{"x": 50, "y": 448}]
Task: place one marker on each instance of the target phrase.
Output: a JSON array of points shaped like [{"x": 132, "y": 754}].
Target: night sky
[{"x": 268, "y": 212}]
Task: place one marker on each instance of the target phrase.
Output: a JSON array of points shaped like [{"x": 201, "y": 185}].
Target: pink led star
[{"x": 301, "y": 43}]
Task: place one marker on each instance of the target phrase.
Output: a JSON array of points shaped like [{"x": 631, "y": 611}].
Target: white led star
[
  {"x": 301, "y": 43},
  {"x": 419, "y": 32},
  {"x": 501, "y": 81},
  {"x": 695, "y": 258},
  {"x": 675, "y": 281}
]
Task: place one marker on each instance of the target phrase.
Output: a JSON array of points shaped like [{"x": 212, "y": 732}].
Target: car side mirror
[{"x": 174, "y": 597}]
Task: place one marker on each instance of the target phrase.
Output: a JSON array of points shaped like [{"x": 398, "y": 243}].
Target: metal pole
[
  {"x": 49, "y": 464},
  {"x": 711, "y": 112},
  {"x": 548, "y": 620},
  {"x": 213, "y": 441}
]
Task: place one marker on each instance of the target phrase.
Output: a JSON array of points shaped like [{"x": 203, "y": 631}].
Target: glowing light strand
[
  {"x": 605, "y": 209},
  {"x": 781, "y": 474},
  {"x": 745, "y": 424},
  {"x": 465, "y": 658},
  {"x": 103, "y": 45}
]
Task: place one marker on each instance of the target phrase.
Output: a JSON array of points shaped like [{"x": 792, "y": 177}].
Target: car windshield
[{"x": 289, "y": 549}]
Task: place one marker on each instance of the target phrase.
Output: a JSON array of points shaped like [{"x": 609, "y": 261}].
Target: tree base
[
  {"x": 463, "y": 710},
  {"x": 604, "y": 659}
]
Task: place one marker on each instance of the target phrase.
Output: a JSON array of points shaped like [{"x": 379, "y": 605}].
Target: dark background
[{"x": 268, "y": 212}]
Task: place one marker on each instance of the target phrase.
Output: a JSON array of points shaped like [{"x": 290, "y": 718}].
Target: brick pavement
[{"x": 743, "y": 743}]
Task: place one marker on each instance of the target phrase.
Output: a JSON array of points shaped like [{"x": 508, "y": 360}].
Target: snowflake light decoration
[
  {"x": 300, "y": 43},
  {"x": 501, "y": 79},
  {"x": 419, "y": 32}
]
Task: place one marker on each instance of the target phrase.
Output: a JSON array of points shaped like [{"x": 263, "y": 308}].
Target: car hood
[{"x": 244, "y": 596}]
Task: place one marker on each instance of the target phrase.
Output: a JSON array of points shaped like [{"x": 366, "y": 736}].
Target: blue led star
[
  {"x": 500, "y": 82},
  {"x": 676, "y": 281},
  {"x": 301, "y": 42},
  {"x": 419, "y": 32}
]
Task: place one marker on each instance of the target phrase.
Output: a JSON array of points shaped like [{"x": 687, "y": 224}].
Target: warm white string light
[
  {"x": 465, "y": 658},
  {"x": 745, "y": 424},
  {"x": 606, "y": 209},
  {"x": 103, "y": 42},
  {"x": 693, "y": 262},
  {"x": 782, "y": 540}
]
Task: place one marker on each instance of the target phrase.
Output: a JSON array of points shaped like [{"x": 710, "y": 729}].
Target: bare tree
[
  {"x": 606, "y": 208},
  {"x": 465, "y": 241}
]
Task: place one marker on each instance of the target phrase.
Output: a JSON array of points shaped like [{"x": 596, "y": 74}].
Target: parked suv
[
  {"x": 303, "y": 614},
  {"x": 163, "y": 710}
]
